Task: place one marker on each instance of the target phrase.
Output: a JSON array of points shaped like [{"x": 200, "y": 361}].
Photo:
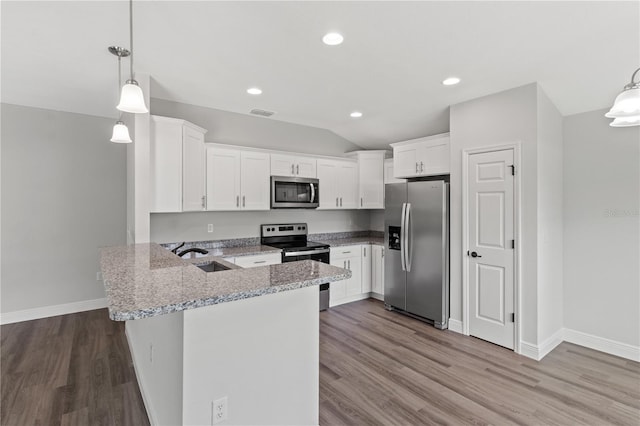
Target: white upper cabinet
[
  {"x": 370, "y": 179},
  {"x": 388, "y": 172},
  {"x": 237, "y": 180},
  {"x": 177, "y": 165},
  {"x": 421, "y": 157},
  {"x": 290, "y": 165},
  {"x": 338, "y": 184}
]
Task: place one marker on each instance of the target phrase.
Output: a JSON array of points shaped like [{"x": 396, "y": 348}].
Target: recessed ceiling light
[
  {"x": 356, "y": 114},
  {"x": 332, "y": 39},
  {"x": 254, "y": 91},
  {"x": 451, "y": 81}
]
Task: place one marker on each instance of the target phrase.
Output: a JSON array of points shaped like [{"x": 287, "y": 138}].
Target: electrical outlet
[
  {"x": 219, "y": 410},
  {"x": 98, "y": 276},
  {"x": 210, "y": 227}
]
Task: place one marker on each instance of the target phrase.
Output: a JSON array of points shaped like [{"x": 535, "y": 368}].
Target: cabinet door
[
  {"x": 377, "y": 269},
  {"x": 254, "y": 181},
  {"x": 338, "y": 289},
  {"x": 405, "y": 161},
  {"x": 327, "y": 175},
  {"x": 367, "y": 257},
  {"x": 305, "y": 167},
  {"x": 166, "y": 166},
  {"x": 283, "y": 165},
  {"x": 258, "y": 260},
  {"x": 371, "y": 182},
  {"x": 434, "y": 157},
  {"x": 193, "y": 170},
  {"x": 354, "y": 284},
  {"x": 223, "y": 179},
  {"x": 348, "y": 184}
]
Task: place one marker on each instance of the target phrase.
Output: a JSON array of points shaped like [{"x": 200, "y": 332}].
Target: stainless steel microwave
[{"x": 294, "y": 193}]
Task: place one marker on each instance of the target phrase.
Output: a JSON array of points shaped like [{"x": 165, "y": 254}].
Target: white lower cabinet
[
  {"x": 256, "y": 260},
  {"x": 366, "y": 263},
  {"x": 377, "y": 270},
  {"x": 347, "y": 257}
]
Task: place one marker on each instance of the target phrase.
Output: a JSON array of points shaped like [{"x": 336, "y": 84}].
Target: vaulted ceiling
[{"x": 390, "y": 66}]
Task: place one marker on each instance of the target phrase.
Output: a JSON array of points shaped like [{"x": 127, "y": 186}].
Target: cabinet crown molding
[
  {"x": 423, "y": 139},
  {"x": 159, "y": 118}
]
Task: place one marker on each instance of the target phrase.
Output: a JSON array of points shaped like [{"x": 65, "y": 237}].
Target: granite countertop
[
  {"x": 337, "y": 242},
  {"x": 145, "y": 280}
]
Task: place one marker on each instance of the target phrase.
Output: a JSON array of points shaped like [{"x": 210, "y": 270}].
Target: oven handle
[
  {"x": 313, "y": 192},
  {"x": 304, "y": 253}
]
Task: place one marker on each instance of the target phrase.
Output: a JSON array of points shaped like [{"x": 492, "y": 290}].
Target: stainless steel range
[{"x": 292, "y": 239}]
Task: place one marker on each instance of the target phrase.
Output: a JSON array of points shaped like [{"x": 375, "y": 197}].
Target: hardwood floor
[
  {"x": 376, "y": 368},
  {"x": 383, "y": 368},
  {"x": 68, "y": 370}
]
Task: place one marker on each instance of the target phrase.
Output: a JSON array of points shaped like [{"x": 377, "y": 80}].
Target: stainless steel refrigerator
[{"x": 416, "y": 268}]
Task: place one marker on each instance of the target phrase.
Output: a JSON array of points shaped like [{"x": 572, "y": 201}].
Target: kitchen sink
[{"x": 213, "y": 267}]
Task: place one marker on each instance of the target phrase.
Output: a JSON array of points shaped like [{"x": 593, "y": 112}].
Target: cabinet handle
[
  {"x": 346, "y": 252},
  {"x": 421, "y": 166},
  {"x": 360, "y": 201},
  {"x": 340, "y": 201},
  {"x": 382, "y": 252},
  {"x": 365, "y": 251},
  {"x": 297, "y": 169},
  {"x": 292, "y": 172},
  {"x": 344, "y": 264},
  {"x": 237, "y": 201},
  {"x": 416, "y": 167},
  {"x": 349, "y": 263},
  {"x": 243, "y": 201},
  {"x": 203, "y": 201},
  {"x": 336, "y": 201},
  {"x": 259, "y": 261}
]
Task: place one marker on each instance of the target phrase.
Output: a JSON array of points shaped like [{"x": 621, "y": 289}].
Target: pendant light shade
[
  {"x": 626, "y": 107},
  {"x": 132, "y": 99},
  {"x": 120, "y": 133}
]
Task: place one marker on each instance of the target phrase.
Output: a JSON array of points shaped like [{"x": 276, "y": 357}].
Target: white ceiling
[{"x": 390, "y": 66}]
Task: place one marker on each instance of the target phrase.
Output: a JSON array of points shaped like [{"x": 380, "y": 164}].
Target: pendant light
[
  {"x": 131, "y": 97},
  {"x": 626, "y": 107},
  {"x": 120, "y": 130}
]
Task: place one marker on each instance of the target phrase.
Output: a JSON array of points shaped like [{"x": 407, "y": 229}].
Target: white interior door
[{"x": 491, "y": 256}]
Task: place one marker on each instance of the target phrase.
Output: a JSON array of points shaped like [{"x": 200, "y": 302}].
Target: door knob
[{"x": 474, "y": 254}]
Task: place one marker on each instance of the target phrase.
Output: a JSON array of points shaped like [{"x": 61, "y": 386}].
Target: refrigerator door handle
[
  {"x": 402, "y": 237},
  {"x": 409, "y": 238}
]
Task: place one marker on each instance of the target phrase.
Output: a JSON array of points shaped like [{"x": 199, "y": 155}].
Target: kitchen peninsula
[{"x": 248, "y": 337}]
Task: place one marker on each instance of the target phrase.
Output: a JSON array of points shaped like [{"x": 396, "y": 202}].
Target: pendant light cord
[
  {"x": 131, "y": 37},
  {"x": 119, "y": 80},
  {"x": 633, "y": 79}
]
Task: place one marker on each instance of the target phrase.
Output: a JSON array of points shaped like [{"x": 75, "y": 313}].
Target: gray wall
[
  {"x": 63, "y": 196},
  {"x": 602, "y": 228},
  {"x": 550, "y": 157},
  {"x": 257, "y": 132},
  {"x": 504, "y": 117},
  {"x": 175, "y": 227}
]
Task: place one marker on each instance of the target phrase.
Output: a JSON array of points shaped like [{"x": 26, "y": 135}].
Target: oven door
[
  {"x": 294, "y": 193},
  {"x": 319, "y": 255}
]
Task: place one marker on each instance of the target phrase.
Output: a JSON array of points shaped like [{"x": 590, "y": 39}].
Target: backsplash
[{"x": 178, "y": 227}]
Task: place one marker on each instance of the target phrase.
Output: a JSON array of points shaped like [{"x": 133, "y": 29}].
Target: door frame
[{"x": 517, "y": 191}]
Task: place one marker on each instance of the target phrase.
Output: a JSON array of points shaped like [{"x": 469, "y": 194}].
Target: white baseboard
[
  {"x": 602, "y": 344},
  {"x": 349, "y": 299},
  {"x": 550, "y": 344},
  {"x": 538, "y": 352},
  {"x": 455, "y": 325},
  {"x": 52, "y": 311}
]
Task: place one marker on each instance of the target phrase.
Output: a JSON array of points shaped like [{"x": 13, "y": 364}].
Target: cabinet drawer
[
  {"x": 258, "y": 260},
  {"x": 345, "y": 252}
]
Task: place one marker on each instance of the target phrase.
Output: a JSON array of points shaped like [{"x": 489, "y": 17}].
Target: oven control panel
[{"x": 278, "y": 230}]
